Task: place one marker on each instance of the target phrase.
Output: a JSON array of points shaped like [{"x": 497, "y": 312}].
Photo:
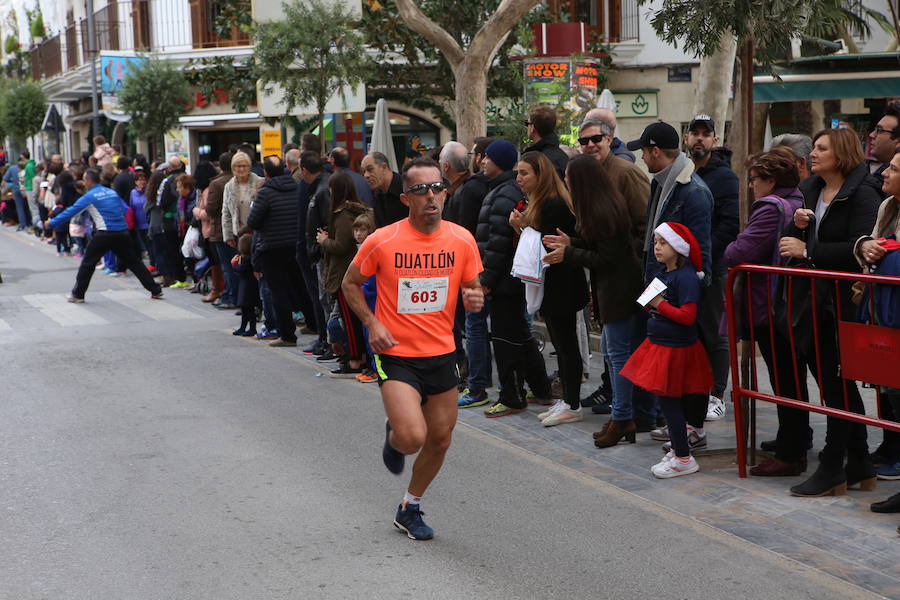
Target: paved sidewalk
[{"x": 837, "y": 535}]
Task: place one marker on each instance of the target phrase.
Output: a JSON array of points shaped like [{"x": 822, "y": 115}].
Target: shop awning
[{"x": 875, "y": 75}]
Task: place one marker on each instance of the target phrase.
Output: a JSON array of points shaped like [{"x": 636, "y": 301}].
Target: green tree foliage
[
  {"x": 699, "y": 26},
  {"x": 423, "y": 79},
  {"x": 22, "y": 109},
  {"x": 155, "y": 96},
  {"x": 312, "y": 54},
  {"x": 37, "y": 25},
  {"x": 232, "y": 13}
]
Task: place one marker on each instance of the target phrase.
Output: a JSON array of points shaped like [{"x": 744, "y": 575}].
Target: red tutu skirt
[{"x": 669, "y": 371}]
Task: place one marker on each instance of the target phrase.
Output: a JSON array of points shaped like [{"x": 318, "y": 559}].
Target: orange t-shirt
[{"x": 418, "y": 277}]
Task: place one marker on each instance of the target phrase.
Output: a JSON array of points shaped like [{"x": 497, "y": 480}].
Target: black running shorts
[{"x": 430, "y": 375}]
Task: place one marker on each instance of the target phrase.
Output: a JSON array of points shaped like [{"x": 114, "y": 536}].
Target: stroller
[{"x": 202, "y": 275}]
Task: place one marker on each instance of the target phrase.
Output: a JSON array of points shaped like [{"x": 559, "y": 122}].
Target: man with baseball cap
[
  {"x": 700, "y": 141},
  {"x": 676, "y": 194}
]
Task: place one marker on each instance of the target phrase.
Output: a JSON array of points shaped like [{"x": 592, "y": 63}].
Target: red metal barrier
[{"x": 868, "y": 353}]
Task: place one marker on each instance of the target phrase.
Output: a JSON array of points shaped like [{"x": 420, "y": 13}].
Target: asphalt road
[{"x": 146, "y": 453}]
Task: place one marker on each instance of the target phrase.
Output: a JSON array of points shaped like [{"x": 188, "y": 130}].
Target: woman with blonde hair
[{"x": 549, "y": 211}]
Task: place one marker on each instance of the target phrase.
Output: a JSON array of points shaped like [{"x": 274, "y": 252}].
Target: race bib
[{"x": 423, "y": 295}]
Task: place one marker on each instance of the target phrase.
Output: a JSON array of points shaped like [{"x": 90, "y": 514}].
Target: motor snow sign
[{"x": 555, "y": 80}]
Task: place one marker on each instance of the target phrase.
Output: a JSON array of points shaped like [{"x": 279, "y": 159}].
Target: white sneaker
[
  {"x": 660, "y": 434},
  {"x": 564, "y": 415},
  {"x": 666, "y": 458},
  {"x": 557, "y": 406},
  {"x": 674, "y": 468},
  {"x": 715, "y": 409}
]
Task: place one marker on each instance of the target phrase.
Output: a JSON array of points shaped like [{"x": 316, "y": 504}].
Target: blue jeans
[
  {"x": 478, "y": 349},
  {"x": 21, "y": 209},
  {"x": 225, "y": 253},
  {"x": 617, "y": 346},
  {"x": 265, "y": 295}
]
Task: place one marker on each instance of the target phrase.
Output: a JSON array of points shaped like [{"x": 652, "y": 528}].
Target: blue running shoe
[
  {"x": 393, "y": 460},
  {"x": 888, "y": 472},
  {"x": 471, "y": 398},
  {"x": 409, "y": 520}
]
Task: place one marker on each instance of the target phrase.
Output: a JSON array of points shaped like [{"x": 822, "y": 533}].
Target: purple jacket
[{"x": 758, "y": 244}]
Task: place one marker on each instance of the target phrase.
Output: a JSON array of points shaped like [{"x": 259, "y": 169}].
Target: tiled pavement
[{"x": 838, "y": 535}]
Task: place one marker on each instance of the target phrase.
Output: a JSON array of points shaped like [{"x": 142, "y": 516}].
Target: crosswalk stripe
[
  {"x": 158, "y": 310},
  {"x": 60, "y": 310}
]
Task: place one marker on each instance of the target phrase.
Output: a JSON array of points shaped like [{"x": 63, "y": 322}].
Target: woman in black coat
[
  {"x": 605, "y": 243},
  {"x": 549, "y": 212},
  {"x": 840, "y": 205}
]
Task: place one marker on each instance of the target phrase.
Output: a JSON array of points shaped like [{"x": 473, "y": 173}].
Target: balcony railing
[
  {"x": 46, "y": 59},
  {"x": 139, "y": 25}
]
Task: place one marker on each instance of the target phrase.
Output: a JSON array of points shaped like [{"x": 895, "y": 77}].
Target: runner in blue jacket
[{"x": 107, "y": 210}]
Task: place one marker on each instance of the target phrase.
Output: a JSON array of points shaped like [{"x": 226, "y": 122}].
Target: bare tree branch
[
  {"x": 420, "y": 23},
  {"x": 484, "y": 46}
]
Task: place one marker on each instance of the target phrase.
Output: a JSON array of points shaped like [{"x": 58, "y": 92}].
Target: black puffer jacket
[
  {"x": 496, "y": 238},
  {"x": 274, "y": 213}
]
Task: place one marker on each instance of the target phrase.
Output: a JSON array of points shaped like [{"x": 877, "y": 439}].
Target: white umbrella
[
  {"x": 381, "y": 134},
  {"x": 607, "y": 100}
]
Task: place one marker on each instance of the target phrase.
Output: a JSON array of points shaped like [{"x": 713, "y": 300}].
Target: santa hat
[{"x": 683, "y": 242}]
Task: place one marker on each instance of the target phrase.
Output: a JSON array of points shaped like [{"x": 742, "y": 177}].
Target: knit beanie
[
  {"x": 503, "y": 153},
  {"x": 683, "y": 242}
]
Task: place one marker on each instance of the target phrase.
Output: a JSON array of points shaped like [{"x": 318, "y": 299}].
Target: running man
[
  {"x": 420, "y": 265},
  {"x": 107, "y": 210}
]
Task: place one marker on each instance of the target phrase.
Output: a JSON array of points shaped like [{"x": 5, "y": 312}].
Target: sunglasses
[
  {"x": 594, "y": 138},
  {"x": 527, "y": 123},
  {"x": 420, "y": 189}
]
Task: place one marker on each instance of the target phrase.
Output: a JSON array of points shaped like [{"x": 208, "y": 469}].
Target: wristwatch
[{"x": 805, "y": 255}]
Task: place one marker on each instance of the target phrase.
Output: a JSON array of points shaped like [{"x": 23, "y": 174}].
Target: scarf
[{"x": 665, "y": 183}]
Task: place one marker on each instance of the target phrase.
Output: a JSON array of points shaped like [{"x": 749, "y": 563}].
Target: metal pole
[{"x": 92, "y": 56}]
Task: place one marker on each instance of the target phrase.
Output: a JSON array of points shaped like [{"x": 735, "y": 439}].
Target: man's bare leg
[{"x": 440, "y": 419}]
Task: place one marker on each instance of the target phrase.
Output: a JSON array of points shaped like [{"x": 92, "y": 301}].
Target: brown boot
[
  {"x": 217, "y": 284},
  {"x": 615, "y": 432}
]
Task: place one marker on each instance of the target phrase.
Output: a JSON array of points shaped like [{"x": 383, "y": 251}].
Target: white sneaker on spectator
[
  {"x": 557, "y": 406},
  {"x": 675, "y": 468},
  {"x": 564, "y": 415},
  {"x": 716, "y": 409},
  {"x": 660, "y": 434},
  {"x": 666, "y": 458}
]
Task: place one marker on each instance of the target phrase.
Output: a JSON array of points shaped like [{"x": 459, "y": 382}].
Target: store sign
[
  {"x": 636, "y": 104},
  {"x": 177, "y": 144},
  {"x": 114, "y": 68},
  {"x": 270, "y": 140},
  {"x": 562, "y": 80}
]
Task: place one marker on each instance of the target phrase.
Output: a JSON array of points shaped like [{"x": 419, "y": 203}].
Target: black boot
[
  {"x": 826, "y": 480},
  {"x": 860, "y": 471}
]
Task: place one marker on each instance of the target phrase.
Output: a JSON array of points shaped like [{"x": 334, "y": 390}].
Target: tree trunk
[
  {"x": 716, "y": 75},
  {"x": 760, "y": 120},
  {"x": 471, "y": 100},
  {"x": 322, "y": 128},
  {"x": 469, "y": 66}
]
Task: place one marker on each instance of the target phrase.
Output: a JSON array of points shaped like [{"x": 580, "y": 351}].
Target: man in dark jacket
[
  {"x": 676, "y": 194},
  {"x": 315, "y": 195},
  {"x": 168, "y": 202},
  {"x": 386, "y": 189},
  {"x": 515, "y": 349},
  {"x": 700, "y": 141},
  {"x": 886, "y": 139},
  {"x": 542, "y": 132},
  {"x": 340, "y": 160},
  {"x": 274, "y": 217}
]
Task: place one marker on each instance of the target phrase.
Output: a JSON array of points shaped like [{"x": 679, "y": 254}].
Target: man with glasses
[
  {"x": 541, "y": 125},
  {"x": 594, "y": 138},
  {"x": 421, "y": 264},
  {"x": 886, "y": 138}
]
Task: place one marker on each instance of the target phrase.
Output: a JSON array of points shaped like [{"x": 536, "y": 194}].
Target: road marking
[
  {"x": 4, "y": 326},
  {"x": 60, "y": 310},
  {"x": 158, "y": 310}
]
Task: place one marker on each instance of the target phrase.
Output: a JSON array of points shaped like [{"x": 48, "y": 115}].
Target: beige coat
[{"x": 236, "y": 202}]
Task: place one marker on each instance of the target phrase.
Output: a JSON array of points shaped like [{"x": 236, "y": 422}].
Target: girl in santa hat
[{"x": 671, "y": 362}]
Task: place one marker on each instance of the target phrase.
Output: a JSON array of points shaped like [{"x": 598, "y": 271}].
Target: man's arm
[
  {"x": 76, "y": 208},
  {"x": 379, "y": 337}
]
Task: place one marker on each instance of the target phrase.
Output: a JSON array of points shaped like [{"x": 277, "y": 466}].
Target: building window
[
  {"x": 611, "y": 21},
  {"x": 203, "y": 27}
]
